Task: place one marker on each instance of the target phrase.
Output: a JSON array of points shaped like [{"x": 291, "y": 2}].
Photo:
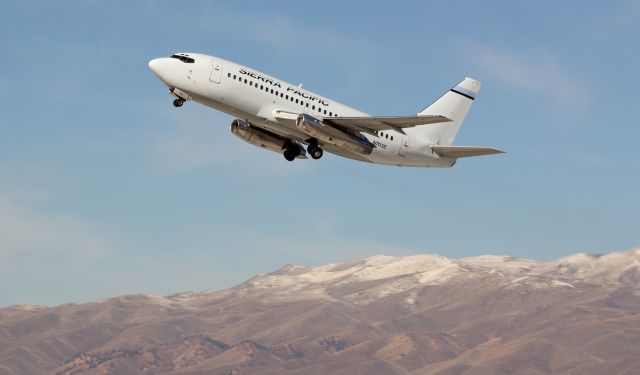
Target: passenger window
[
  {"x": 392, "y": 138},
  {"x": 325, "y": 111},
  {"x": 281, "y": 95},
  {"x": 307, "y": 105},
  {"x": 296, "y": 101},
  {"x": 261, "y": 87},
  {"x": 245, "y": 80},
  {"x": 313, "y": 107},
  {"x": 272, "y": 91},
  {"x": 234, "y": 76}
]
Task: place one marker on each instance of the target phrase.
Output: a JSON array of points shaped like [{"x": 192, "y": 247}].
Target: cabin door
[{"x": 216, "y": 71}]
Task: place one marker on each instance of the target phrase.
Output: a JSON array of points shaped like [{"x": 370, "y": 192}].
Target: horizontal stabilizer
[{"x": 464, "y": 151}]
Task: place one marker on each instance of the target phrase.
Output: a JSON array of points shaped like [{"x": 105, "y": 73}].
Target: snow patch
[
  {"x": 437, "y": 276},
  {"x": 610, "y": 267},
  {"x": 500, "y": 265},
  {"x": 412, "y": 298},
  {"x": 561, "y": 283},
  {"x": 27, "y": 307},
  {"x": 160, "y": 300},
  {"x": 520, "y": 279},
  {"x": 372, "y": 278}
]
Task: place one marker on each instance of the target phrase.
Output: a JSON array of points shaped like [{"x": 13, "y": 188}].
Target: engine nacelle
[
  {"x": 256, "y": 136},
  {"x": 334, "y": 136},
  {"x": 262, "y": 138}
]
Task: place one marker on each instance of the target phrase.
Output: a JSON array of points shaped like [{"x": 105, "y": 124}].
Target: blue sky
[{"x": 107, "y": 189}]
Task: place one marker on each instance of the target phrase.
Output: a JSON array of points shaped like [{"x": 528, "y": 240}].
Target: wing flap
[
  {"x": 464, "y": 151},
  {"x": 364, "y": 124},
  {"x": 377, "y": 123}
]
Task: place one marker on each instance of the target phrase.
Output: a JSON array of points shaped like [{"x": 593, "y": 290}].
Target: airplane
[{"x": 288, "y": 119}]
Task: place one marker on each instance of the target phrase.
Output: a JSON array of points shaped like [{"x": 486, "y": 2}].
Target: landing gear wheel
[
  {"x": 290, "y": 154},
  {"x": 311, "y": 148},
  {"x": 178, "y": 102},
  {"x": 315, "y": 152}
]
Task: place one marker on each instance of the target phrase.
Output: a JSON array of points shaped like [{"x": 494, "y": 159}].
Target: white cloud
[{"x": 538, "y": 71}]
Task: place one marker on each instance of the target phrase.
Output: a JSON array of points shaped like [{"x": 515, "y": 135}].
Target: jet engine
[
  {"x": 265, "y": 139},
  {"x": 329, "y": 134}
]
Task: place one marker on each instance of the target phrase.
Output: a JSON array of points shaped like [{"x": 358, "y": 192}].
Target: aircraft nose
[
  {"x": 162, "y": 68},
  {"x": 154, "y": 65}
]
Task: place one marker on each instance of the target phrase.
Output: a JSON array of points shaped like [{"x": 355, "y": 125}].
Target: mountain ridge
[{"x": 381, "y": 314}]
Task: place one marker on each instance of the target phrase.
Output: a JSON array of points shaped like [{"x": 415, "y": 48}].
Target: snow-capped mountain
[
  {"x": 396, "y": 275},
  {"x": 422, "y": 314}
]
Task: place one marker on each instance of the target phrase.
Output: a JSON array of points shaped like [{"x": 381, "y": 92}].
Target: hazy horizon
[{"x": 106, "y": 189}]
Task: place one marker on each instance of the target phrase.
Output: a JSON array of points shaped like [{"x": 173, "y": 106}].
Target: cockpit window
[{"x": 184, "y": 59}]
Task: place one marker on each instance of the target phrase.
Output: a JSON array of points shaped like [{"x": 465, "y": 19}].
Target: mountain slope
[{"x": 422, "y": 314}]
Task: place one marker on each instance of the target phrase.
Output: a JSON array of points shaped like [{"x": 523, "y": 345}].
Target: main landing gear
[
  {"x": 291, "y": 154},
  {"x": 178, "y": 102},
  {"x": 315, "y": 151},
  {"x": 291, "y": 150}
]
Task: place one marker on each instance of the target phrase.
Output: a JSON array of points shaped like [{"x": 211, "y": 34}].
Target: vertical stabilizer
[{"x": 454, "y": 104}]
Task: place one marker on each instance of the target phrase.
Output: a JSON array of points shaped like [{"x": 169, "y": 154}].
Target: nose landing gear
[{"x": 180, "y": 97}]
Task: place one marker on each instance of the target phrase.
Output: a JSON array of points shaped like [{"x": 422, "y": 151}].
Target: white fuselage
[{"x": 273, "y": 104}]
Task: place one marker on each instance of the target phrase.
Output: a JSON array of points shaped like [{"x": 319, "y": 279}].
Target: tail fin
[{"x": 454, "y": 104}]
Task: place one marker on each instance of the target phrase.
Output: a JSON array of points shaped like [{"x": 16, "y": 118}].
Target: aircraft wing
[
  {"x": 464, "y": 151},
  {"x": 365, "y": 124},
  {"x": 376, "y": 123}
]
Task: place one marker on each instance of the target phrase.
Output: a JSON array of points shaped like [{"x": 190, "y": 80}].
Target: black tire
[
  {"x": 316, "y": 153},
  {"x": 178, "y": 102},
  {"x": 290, "y": 154}
]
